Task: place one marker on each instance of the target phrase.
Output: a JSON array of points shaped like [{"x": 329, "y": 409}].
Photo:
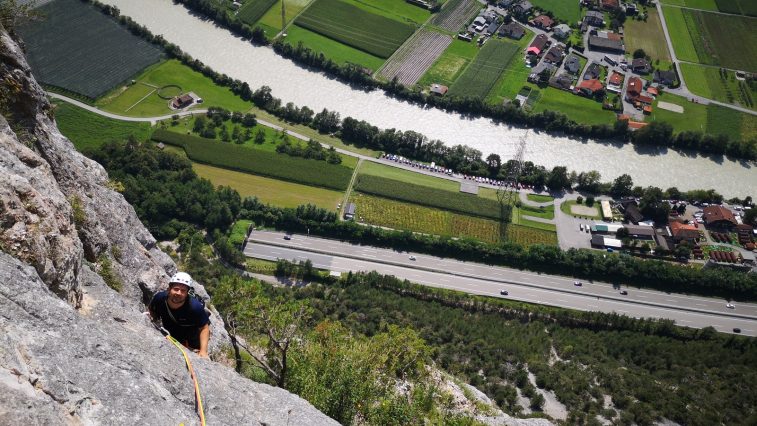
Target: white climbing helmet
[{"x": 181, "y": 278}]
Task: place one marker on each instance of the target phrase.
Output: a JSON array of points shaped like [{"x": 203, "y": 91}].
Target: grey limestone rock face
[
  {"x": 105, "y": 364},
  {"x": 72, "y": 350}
]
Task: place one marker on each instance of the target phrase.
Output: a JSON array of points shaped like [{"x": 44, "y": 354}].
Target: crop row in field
[
  {"x": 77, "y": 48},
  {"x": 253, "y": 10},
  {"x": 280, "y": 166},
  {"x": 412, "y": 217},
  {"x": 719, "y": 84},
  {"x": 355, "y": 27},
  {"x": 416, "y": 56},
  {"x": 455, "y": 14},
  {"x": 527, "y": 236},
  {"x": 739, "y": 7},
  {"x": 480, "y": 76},
  {"x": 431, "y": 197}
]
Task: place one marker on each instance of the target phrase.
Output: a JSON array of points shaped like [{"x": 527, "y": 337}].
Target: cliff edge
[{"x": 72, "y": 349}]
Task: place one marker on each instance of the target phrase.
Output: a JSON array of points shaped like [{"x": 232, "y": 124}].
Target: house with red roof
[
  {"x": 589, "y": 87},
  {"x": 719, "y": 217},
  {"x": 538, "y": 45},
  {"x": 544, "y": 22},
  {"x": 683, "y": 232}
]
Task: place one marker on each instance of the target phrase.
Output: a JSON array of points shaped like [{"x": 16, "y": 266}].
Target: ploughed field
[
  {"x": 355, "y": 27},
  {"x": 455, "y": 14},
  {"x": 77, "y": 48},
  {"x": 416, "y": 57}
]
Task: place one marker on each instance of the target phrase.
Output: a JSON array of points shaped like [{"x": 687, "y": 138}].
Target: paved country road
[{"x": 474, "y": 278}]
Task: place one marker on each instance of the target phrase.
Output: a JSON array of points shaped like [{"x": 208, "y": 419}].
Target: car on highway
[
  {"x": 736, "y": 330},
  {"x": 504, "y": 292},
  {"x": 624, "y": 292},
  {"x": 412, "y": 257},
  {"x": 577, "y": 283},
  {"x": 288, "y": 236},
  {"x": 730, "y": 306}
]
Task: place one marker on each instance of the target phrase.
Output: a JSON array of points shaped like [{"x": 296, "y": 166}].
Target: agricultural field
[
  {"x": 270, "y": 191},
  {"x": 271, "y": 21},
  {"x": 88, "y": 130},
  {"x": 332, "y": 49},
  {"x": 415, "y": 57},
  {"x": 577, "y": 108},
  {"x": 455, "y": 14},
  {"x": 514, "y": 76},
  {"x": 456, "y": 201},
  {"x": 278, "y": 166},
  {"x": 450, "y": 64},
  {"x": 648, "y": 36},
  {"x": 719, "y": 84},
  {"x": 481, "y": 75},
  {"x": 709, "y": 38},
  {"x": 406, "y": 176},
  {"x": 399, "y": 10},
  {"x": 351, "y": 25},
  {"x": 54, "y": 49},
  {"x": 694, "y": 4},
  {"x": 568, "y": 11},
  {"x": 743, "y": 7},
  {"x": 143, "y": 99},
  {"x": 253, "y": 10},
  {"x": 412, "y": 217},
  {"x": 529, "y": 236},
  {"x": 712, "y": 119}
]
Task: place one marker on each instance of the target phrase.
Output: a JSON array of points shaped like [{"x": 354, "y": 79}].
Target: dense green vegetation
[
  {"x": 253, "y": 10},
  {"x": 54, "y": 43},
  {"x": 447, "y": 200},
  {"x": 479, "y": 78},
  {"x": 308, "y": 172},
  {"x": 88, "y": 130},
  {"x": 651, "y": 370},
  {"x": 355, "y": 27}
]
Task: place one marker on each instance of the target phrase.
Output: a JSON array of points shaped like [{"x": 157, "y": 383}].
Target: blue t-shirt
[{"x": 184, "y": 323}]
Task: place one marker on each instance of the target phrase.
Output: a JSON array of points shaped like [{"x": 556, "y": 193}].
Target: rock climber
[{"x": 182, "y": 316}]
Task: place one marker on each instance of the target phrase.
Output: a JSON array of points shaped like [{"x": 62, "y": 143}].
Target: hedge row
[
  {"x": 431, "y": 197},
  {"x": 278, "y": 166}
]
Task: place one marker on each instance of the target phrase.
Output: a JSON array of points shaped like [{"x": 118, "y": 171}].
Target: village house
[
  {"x": 492, "y": 28},
  {"x": 537, "y": 46},
  {"x": 523, "y": 8},
  {"x": 609, "y": 5},
  {"x": 683, "y": 232},
  {"x": 561, "y": 31},
  {"x": 562, "y": 82},
  {"x": 632, "y": 125},
  {"x": 512, "y": 30},
  {"x": 535, "y": 76},
  {"x": 628, "y": 206},
  {"x": 641, "y": 66},
  {"x": 667, "y": 78},
  {"x": 543, "y": 21},
  {"x": 589, "y": 87},
  {"x": 594, "y": 19},
  {"x": 182, "y": 101},
  {"x": 572, "y": 64},
  {"x": 555, "y": 55},
  {"x": 634, "y": 88},
  {"x": 615, "y": 82},
  {"x": 592, "y": 71}
]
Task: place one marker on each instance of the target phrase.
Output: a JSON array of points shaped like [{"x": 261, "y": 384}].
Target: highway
[{"x": 525, "y": 286}]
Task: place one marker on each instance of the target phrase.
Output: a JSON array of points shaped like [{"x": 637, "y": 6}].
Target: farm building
[
  {"x": 513, "y": 30},
  {"x": 438, "y": 89},
  {"x": 349, "y": 212},
  {"x": 606, "y": 210},
  {"x": 572, "y": 64},
  {"x": 605, "y": 228},
  {"x": 606, "y": 45},
  {"x": 561, "y": 31},
  {"x": 538, "y": 45},
  {"x": 182, "y": 101},
  {"x": 629, "y": 207},
  {"x": 719, "y": 217},
  {"x": 602, "y": 241},
  {"x": 638, "y": 232}
]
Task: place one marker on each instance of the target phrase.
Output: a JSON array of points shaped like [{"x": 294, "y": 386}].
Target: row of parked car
[{"x": 432, "y": 167}]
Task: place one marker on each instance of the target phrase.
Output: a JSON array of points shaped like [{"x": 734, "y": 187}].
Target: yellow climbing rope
[{"x": 198, "y": 398}]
